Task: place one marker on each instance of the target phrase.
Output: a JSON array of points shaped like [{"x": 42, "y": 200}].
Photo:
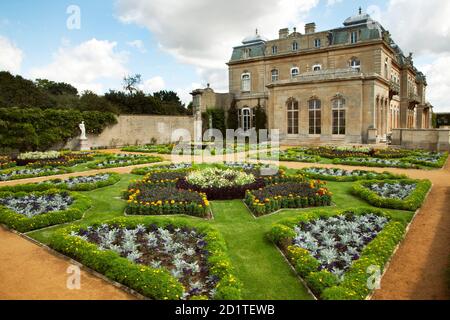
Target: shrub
[{"x": 319, "y": 281}]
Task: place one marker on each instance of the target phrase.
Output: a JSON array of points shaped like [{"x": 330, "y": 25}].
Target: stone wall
[
  {"x": 138, "y": 130},
  {"x": 429, "y": 139}
]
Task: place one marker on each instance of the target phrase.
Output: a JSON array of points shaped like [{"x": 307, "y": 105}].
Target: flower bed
[
  {"x": 163, "y": 260},
  {"x": 154, "y": 199},
  {"x": 340, "y": 175},
  {"x": 30, "y": 211},
  {"x": 66, "y": 160},
  {"x": 403, "y": 194},
  {"x": 173, "y": 166},
  {"x": 151, "y": 148},
  {"x": 220, "y": 184},
  {"x": 332, "y": 250},
  {"x": 287, "y": 195},
  {"x": 338, "y": 152},
  {"x": 123, "y": 161},
  {"x": 375, "y": 162},
  {"x": 48, "y": 155},
  {"x": 290, "y": 155},
  {"x": 431, "y": 159},
  {"x": 6, "y": 162},
  {"x": 82, "y": 183},
  {"x": 15, "y": 174}
]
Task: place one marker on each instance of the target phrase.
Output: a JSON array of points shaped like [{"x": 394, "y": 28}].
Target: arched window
[
  {"x": 246, "y": 82},
  {"x": 292, "y": 116},
  {"x": 338, "y": 110},
  {"x": 317, "y": 67},
  {"x": 295, "y": 72},
  {"x": 315, "y": 116},
  {"x": 355, "y": 64},
  {"x": 274, "y": 75},
  {"x": 294, "y": 46}
]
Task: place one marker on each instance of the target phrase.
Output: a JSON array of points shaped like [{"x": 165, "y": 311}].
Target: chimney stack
[
  {"x": 284, "y": 33},
  {"x": 310, "y": 28}
]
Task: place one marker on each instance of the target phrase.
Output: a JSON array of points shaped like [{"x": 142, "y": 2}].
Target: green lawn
[{"x": 259, "y": 265}]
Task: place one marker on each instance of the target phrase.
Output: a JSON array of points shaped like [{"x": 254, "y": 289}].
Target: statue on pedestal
[{"x": 83, "y": 131}]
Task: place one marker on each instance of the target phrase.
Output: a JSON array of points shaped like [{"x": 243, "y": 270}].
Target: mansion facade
[{"x": 347, "y": 85}]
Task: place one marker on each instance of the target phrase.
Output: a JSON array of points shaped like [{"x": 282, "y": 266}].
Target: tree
[
  {"x": 131, "y": 83},
  {"x": 233, "y": 115},
  {"x": 56, "y": 88},
  {"x": 170, "y": 101},
  {"x": 89, "y": 101}
]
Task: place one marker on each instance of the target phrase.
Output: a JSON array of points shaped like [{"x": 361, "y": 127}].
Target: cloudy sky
[{"x": 181, "y": 45}]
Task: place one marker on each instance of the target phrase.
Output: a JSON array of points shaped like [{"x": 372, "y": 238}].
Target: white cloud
[
  {"x": 202, "y": 32},
  {"x": 153, "y": 85},
  {"x": 10, "y": 56},
  {"x": 185, "y": 93},
  {"x": 137, "y": 44},
  {"x": 85, "y": 66},
  {"x": 424, "y": 29},
  {"x": 333, "y": 2}
]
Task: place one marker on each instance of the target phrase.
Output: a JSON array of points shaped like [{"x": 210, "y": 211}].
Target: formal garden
[{"x": 220, "y": 230}]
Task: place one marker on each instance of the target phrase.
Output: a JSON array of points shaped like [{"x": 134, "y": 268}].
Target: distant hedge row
[{"x": 37, "y": 129}]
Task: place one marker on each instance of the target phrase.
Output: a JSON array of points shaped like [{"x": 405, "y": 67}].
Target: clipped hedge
[
  {"x": 22, "y": 223},
  {"x": 47, "y": 185},
  {"x": 439, "y": 164},
  {"x": 324, "y": 284},
  {"x": 411, "y": 203},
  {"x": 153, "y": 283},
  {"x": 372, "y": 175}
]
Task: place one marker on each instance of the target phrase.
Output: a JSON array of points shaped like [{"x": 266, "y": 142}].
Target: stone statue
[{"x": 83, "y": 131}]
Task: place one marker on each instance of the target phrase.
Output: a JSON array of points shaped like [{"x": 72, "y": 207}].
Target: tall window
[
  {"x": 246, "y": 119},
  {"x": 354, "y": 37},
  {"x": 339, "y": 116},
  {"x": 274, "y": 75},
  {"x": 355, "y": 64},
  {"x": 274, "y": 49},
  {"x": 295, "y": 72},
  {"x": 317, "y": 43},
  {"x": 294, "y": 46},
  {"x": 292, "y": 116},
  {"x": 315, "y": 116},
  {"x": 246, "y": 82},
  {"x": 386, "y": 68}
]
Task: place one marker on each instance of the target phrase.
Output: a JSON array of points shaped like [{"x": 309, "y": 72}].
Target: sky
[{"x": 183, "y": 45}]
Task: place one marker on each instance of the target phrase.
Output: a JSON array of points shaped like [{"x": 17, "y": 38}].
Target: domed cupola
[
  {"x": 360, "y": 18},
  {"x": 256, "y": 38}
]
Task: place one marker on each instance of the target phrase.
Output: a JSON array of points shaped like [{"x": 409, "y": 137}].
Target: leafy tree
[
  {"x": 89, "y": 101},
  {"x": 171, "y": 102},
  {"x": 260, "y": 118},
  {"x": 56, "y": 88},
  {"x": 232, "y": 119}
]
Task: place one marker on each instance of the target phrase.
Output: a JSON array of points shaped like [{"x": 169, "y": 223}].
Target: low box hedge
[
  {"x": 153, "y": 283},
  {"x": 411, "y": 203},
  {"x": 22, "y": 223},
  {"x": 373, "y": 176},
  {"x": 52, "y": 171},
  {"x": 324, "y": 284},
  {"x": 102, "y": 164},
  {"x": 47, "y": 185}
]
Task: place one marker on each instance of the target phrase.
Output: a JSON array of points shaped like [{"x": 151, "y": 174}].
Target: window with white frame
[
  {"x": 292, "y": 116},
  {"x": 315, "y": 117},
  {"x": 317, "y": 43},
  {"x": 338, "y": 110},
  {"x": 294, "y": 46},
  {"x": 246, "y": 119},
  {"x": 274, "y": 49},
  {"x": 295, "y": 72},
  {"x": 355, "y": 64},
  {"x": 246, "y": 82},
  {"x": 354, "y": 37},
  {"x": 317, "y": 67},
  {"x": 275, "y": 75}
]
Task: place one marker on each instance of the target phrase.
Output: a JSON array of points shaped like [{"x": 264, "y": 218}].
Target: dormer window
[
  {"x": 317, "y": 67},
  {"x": 246, "y": 53},
  {"x": 355, "y": 64},
  {"x": 274, "y": 49},
  {"x": 354, "y": 37},
  {"x": 295, "y": 46},
  {"x": 317, "y": 43},
  {"x": 295, "y": 72}
]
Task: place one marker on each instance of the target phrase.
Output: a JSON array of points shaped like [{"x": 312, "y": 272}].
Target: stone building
[{"x": 352, "y": 84}]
